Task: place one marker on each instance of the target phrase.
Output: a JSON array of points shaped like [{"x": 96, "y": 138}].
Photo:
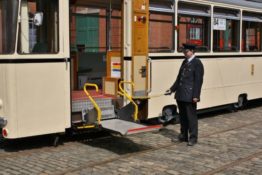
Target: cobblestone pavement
[{"x": 229, "y": 143}]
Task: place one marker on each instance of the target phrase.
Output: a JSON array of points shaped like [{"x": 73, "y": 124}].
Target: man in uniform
[{"x": 187, "y": 88}]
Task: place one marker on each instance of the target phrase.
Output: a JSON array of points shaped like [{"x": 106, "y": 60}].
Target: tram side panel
[
  {"x": 8, "y": 98},
  {"x": 224, "y": 80},
  {"x": 242, "y": 76},
  {"x": 2, "y": 90},
  {"x": 37, "y": 99}
]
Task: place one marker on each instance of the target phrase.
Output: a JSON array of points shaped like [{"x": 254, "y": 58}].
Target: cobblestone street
[{"x": 229, "y": 143}]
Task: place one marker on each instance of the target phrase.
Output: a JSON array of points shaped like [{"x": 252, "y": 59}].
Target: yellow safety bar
[
  {"x": 147, "y": 97},
  {"x": 93, "y": 101},
  {"x": 125, "y": 94},
  {"x": 86, "y": 127}
]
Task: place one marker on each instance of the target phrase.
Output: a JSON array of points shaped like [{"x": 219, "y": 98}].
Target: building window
[
  {"x": 194, "y": 26},
  {"x": 195, "y": 33},
  {"x": 251, "y": 32},
  {"x": 226, "y": 30}
]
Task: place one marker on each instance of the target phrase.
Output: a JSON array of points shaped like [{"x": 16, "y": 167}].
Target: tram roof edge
[{"x": 245, "y": 3}]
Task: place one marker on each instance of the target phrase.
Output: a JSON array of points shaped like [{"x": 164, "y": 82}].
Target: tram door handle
[
  {"x": 66, "y": 61},
  {"x": 142, "y": 71},
  {"x": 150, "y": 75}
]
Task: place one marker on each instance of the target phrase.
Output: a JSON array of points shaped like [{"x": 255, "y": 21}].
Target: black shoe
[
  {"x": 182, "y": 138},
  {"x": 178, "y": 139},
  {"x": 191, "y": 143}
]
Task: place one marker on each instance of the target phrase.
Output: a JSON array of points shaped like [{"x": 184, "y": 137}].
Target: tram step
[
  {"x": 90, "y": 115},
  {"x": 80, "y": 105},
  {"x": 126, "y": 127}
]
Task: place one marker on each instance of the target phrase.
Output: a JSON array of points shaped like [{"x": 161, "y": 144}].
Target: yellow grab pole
[
  {"x": 125, "y": 94},
  {"x": 93, "y": 101}
]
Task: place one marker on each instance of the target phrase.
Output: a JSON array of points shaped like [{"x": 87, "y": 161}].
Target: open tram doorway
[
  {"x": 95, "y": 51},
  {"x": 96, "y": 32}
]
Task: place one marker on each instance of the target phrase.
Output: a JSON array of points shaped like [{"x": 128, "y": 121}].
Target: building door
[{"x": 87, "y": 32}]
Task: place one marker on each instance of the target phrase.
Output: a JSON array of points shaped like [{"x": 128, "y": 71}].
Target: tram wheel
[
  {"x": 241, "y": 102},
  {"x": 169, "y": 115},
  {"x": 56, "y": 140}
]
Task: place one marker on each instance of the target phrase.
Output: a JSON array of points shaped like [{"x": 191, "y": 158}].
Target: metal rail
[
  {"x": 93, "y": 102},
  {"x": 129, "y": 97}
]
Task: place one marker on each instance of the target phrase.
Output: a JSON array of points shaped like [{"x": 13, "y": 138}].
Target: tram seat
[
  {"x": 40, "y": 48},
  {"x": 253, "y": 48}
]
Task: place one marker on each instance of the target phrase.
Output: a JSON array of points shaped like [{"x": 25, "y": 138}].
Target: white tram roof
[{"x": 245, "y": 3}]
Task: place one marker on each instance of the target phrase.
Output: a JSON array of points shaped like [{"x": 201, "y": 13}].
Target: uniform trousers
[{"x": 188, "y": 120}]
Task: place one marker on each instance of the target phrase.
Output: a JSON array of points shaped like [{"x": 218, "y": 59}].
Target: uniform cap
[{"x": 189, "y": 46}]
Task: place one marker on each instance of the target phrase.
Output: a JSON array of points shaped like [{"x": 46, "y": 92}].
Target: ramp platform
[{"x": 126, "y": 127}]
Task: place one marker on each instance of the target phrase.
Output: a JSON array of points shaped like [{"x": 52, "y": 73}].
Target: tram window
[
  {"x": 161, "y": 32},
  {"x": 251, "y": 32},
  {"x": 8, "y": 23},
  {"x": 161, "y": 22},
  {"x": 194, "y": 26},
  {"x": 38, "y": 29},
  {"x": 226, "y": 30}
]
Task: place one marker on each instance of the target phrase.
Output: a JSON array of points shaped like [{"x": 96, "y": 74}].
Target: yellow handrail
[
  {"x": 93, "y": 101},
  {"x": 124, "y": 93}
]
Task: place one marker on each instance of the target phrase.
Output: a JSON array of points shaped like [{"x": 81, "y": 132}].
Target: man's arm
[{"x": 199, "y": 74}]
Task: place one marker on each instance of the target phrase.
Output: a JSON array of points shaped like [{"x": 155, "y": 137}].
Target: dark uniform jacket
[{"x": 189, "y": 81}]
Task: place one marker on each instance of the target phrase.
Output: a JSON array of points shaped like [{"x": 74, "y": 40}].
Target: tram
[{"x": 85, "y": 64}]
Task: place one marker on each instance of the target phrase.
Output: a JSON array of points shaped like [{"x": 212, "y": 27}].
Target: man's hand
[
  {"x": 195, "y": 100},
  {"x": 168, "y": 92}
]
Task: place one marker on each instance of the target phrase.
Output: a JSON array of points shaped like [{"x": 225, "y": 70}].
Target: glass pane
[
  {"x": 8, "y": 23},
  {"x": 161, "y": 32},
  {"x": 226, "y": 13},
  {"x": 193, "y": 10},
  {"x": 251, "y": 37},
  {"x": 194, "y": 30},
  {"x": 115, "y": 32},
  {"x": 162, "y": 6},
  {"x": 228, "y": 39},
  {"x": 252, "y": 17},
  {"x": 38, "y": 30}
]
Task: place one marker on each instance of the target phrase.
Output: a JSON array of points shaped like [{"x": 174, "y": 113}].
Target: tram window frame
[
  {"x": 252, "y": 21},
  {"x": 163, "y": 45},
  {"x": 161, "y": 15},
  {"x": 47, "y": 40},
  {"x": 198, "y": 18},
  {"x": 8, "y": 23},
  {"x": 232, "y": 20}
]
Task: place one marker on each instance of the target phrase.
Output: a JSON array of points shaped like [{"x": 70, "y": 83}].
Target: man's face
[{"x": 188, "y": 53}]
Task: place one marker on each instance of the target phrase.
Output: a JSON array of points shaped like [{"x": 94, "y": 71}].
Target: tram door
[{"x": 140, "y": 47}]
